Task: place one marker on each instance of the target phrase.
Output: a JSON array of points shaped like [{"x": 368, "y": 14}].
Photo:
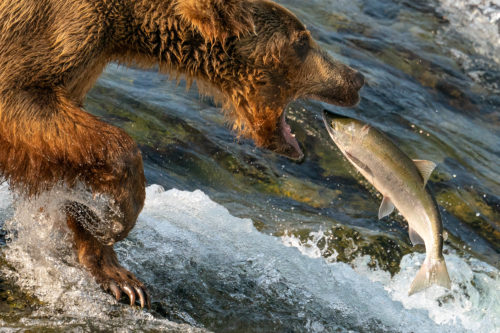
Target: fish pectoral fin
[
  {"x": 425, "y": 168},
  {"x": 415, "y": 237},
  {"x": 386, "y": 207}
]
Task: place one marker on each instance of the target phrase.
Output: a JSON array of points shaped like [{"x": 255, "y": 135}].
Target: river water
[{"x": 236, "y": 239}]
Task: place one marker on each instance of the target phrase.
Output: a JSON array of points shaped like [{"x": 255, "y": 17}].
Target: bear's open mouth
[{"x": 291, "y": 147}]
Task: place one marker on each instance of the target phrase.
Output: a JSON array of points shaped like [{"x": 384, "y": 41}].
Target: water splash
[
  {"x": 472, "y": 303},
  {"x": 43, "y": 264},
  {"x": 206, "y": 267},
  {"x": 228, "y": 264},
  {"x": 310, "y": 246}
]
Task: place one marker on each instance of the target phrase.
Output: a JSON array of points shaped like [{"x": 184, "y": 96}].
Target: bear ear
[{"x": 218, "y": 19}]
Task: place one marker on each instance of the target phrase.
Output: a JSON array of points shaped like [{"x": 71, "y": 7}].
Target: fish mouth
[
  {"x": 284, "y": 142},
  {"x": 327, "y": 122},
  {"x": 328, "y": 117}
]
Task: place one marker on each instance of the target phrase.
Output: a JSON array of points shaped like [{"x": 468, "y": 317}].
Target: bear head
[
  {"x": 280, "y": 63},
  {"x": 269, "y": 59}
]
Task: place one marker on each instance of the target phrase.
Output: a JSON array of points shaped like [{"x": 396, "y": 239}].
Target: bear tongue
[{"x": 289, "y": 146}]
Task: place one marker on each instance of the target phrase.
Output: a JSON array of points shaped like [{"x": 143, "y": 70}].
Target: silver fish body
[{"x": 401, "y": 181}]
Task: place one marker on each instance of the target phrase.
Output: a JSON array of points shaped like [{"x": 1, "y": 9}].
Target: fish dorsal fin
[
  {"x": 414, "y": 237},
  {"x": 386, "y": 207},
  {"x": 425, "y": 168}
]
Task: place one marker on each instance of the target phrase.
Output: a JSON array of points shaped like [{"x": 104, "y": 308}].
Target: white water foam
[
  {"x": 206, "y": 231},
  {"x": 472, "y": 303},
  {"x": 39, "y": 250},
  {"x": 179, "y": 231}
]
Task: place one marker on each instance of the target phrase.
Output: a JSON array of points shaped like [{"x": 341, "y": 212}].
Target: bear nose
[{"x": 359, "y": 80}]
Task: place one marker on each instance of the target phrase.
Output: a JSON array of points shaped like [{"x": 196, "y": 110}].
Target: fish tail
[{"x": 433, "y": 271}]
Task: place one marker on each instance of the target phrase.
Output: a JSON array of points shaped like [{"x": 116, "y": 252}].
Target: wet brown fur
[{"x": 254, "y": 55}]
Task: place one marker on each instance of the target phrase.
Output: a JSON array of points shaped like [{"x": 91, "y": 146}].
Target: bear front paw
[
  {"x": 117, "y": 280},
  {"x": 101, "y": 261}
]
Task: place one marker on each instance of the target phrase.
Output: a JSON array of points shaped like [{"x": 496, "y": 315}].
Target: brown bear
[{"x": 253, "y": 55}]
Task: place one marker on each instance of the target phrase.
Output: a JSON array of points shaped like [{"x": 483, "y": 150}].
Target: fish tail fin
[{"x": 433, "y": 271}]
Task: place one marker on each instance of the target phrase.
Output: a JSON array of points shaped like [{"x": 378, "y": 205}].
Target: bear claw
[
  {"x": 115, "y": 290},
  {"x": 131, "y": 295},
  {"x": 142, "y": 297},
  {"x": 134, "y": 289}
]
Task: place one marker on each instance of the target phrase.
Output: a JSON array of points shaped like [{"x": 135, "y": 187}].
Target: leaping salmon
[{"x": 402, "y": 182}]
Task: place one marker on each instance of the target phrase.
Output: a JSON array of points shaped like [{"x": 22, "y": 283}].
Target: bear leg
[
  {"x": 101, "y": 260},
  {"x": 46, "y": 139}
]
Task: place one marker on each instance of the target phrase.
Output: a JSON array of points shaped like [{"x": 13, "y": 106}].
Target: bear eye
[{"x": 301, "y": 46}]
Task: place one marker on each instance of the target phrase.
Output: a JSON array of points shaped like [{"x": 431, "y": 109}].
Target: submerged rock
[
  {"x": 14, "y": 302},
  {"x": 344, "y": 244}
]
